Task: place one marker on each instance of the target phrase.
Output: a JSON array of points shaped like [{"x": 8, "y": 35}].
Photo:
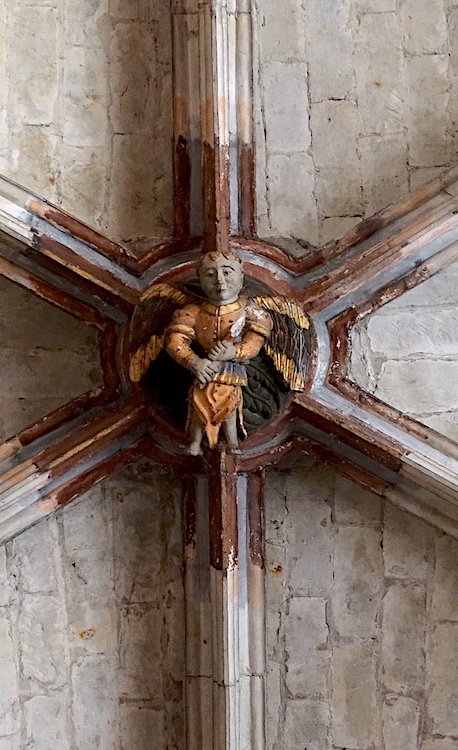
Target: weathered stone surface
[
  {"x": 379, "y": 81},
  {"x": 357, "y": 581},
  {"x": 34, "y": 553},
  {"x": 83, "y": 188},
  {"x": 403, "y": 646},
  {"x": 31, "y": 159},
  {"x": 285, "y": 41},
  {"x": 419, "y": 386},
  {"x": 276, "y": 593},
  {"x": 46, "y": 722},
  {"x": 446, "y": 424},
  {"x": 285, "y": 96},
  {"x": 85, "y": 75},
  {"x": 443, "y": 744},
  {"x": 308, "y": 537},
  {"x": 274, "y": 708},
  {"x": 336, "y": 227},
  {"x": 88, "y": 574},
  {"x": 407, "y": 545},
  {"x": 383, "y": 170},
  {"x": 95, "y": 703},
  {"x": 33, "y": 64},
  {"x": 308, "y": 657},
  {"x": 338, "y": 184},
  {"x": 140, "y": 199},
  {"x": 443, "y": 673},
  {"x": 9, "y": 687},
  {"x": 375, "y": 6},
  {"x": 423, "y": 26},
  {"x": 402, "y": 333},
  {"x": 87, "y": 23},
  {"x": 427, "y": 109},
  {"x": 41, "y": 630},
  {"x": 354, "y": 685},
  {"x": 445, "y": 592},
  {"x": 400, "y": 723},
  {"x": 5, "y": 585},
  {"x": 139, "y": 726},
  {"x": 306, "y": 725},
  {"x": 329, "y": 49},
  {"x": 293, "y": 209},
  {"x": 422, "y": 175},
  {"x": 355, "y": 505}
]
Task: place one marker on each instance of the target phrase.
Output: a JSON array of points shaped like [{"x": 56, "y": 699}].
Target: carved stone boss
[{"x": 293, "y": 399}]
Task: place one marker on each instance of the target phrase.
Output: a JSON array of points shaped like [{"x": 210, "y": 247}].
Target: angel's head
[{"x": 221, "y": 276}]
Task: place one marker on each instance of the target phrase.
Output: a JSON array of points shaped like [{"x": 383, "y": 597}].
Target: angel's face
[{"x": 221, "y": 280}]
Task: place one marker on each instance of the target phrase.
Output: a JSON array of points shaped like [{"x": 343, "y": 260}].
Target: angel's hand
[
  {"x": 204, "y": 370},
  {"x": 222, "y": 351}
]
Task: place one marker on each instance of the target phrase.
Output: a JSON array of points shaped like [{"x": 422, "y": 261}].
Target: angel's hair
[{"x": 215, "y": 255}]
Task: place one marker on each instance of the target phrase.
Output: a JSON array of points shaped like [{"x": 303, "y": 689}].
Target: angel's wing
[
  {"x": 291, "y": 342},
  {"x": 150, "y": 319}
]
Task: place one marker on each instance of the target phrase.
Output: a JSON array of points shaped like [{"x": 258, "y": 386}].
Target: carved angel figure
[{"x": 215, "y": 339}]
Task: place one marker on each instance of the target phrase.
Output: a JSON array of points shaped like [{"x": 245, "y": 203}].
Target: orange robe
[{"x": 193, "y": 332}]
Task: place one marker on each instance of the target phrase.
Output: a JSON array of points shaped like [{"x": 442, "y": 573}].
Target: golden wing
[{"x": 290, "y": 343}]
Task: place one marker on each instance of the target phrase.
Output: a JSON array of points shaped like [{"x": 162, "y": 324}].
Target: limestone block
[
  {"x": 419, "y": 386},
  {"x": 31, "y": 159},
  {"x": 62, "y": 375},
  {"x": 276, "y": 510},
  {"x": 400, "y": 723},
  {"x": 87, "y": 23},
  {"x": 276, "y": 593},
  {"x": 274, "y": 708},
  {"x": 445, "y": 591},
  {"x": 95, "y": 703},
  {"x": 338, "y": 184},
  {"x": 407, "y": 545},
  {"x": 9, "y": 696},
  {"x": 404, "y": 613},
  {"x": 329, "y": 49},
  {"x": 286, "y": 106},
  {"x": 442, "y": 705},
  {"x": 85, "y": 100},
  {"x": 446, "y": 424},
  {"x": 358, "y": 576},
  {"x": 306, "y": 643},
  {"x": 34, "y": 561},
  {"x": 83, "y": 189},
  {"x": 428, "y": 98},
  {"x": 440, "y": 289},
  {"x": 308, "y": 531},
  {"x": 141, "y": 187},
  {"x": 42, "y": 635},
  {"x": 306, "y": 725},
  {"x": 146, "y": 518},
  {"x": 33, "y": 64},
  {"x": 379, "y": 82},
  {"x": 355, "y": 505},
  {"x": 423, "y": 26},
  {"x": 141, "y": 634},
  {"x": 355, "y": 715},
  {"x": 12, "y": 742},
  {"x": 422, "y": 175},
  {"x": 442, "y": 744},
  {"x": 88, "y": 574},
  {"x": 293, "y": 210},
  {"x": 18, "y": 412},
  {"x": 336, "y": 227},
  {"x": 46, "y": 722},
  {"x": 375, "y": 6},
  {"x": 137, "y": 91},
  {"x": 28, "y": 321},
  {"x": 384, "y": 172},
  {"x": 139, "y": 726},
  {"x": 404, "y": 333},
  {"x": 285, "y": 41}
]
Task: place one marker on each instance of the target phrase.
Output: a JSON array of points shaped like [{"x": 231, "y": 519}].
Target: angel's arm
[
  {"x": 257, "y": 329},
  {"x": 180, "y": 334}
]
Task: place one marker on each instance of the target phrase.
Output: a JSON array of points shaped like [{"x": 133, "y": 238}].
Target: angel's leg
[
  {"x": 196, "y": 433},
  {"x": 230, "y": 432}
]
